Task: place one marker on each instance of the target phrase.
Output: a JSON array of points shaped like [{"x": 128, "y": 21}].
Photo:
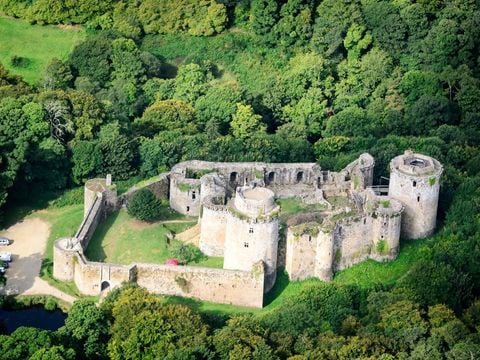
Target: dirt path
[
  {"x": 190, "y": 236},
  {"x": 30, "y": 238}
]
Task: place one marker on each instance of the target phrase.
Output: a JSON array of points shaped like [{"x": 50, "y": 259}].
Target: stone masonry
[{"x": 349, "y": 221}]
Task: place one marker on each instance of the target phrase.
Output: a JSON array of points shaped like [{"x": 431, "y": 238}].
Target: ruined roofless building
[{"x": 339, "y": 219}]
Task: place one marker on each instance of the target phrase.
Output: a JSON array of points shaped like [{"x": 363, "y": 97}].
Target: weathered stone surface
[{"x": 239, "y": 220}]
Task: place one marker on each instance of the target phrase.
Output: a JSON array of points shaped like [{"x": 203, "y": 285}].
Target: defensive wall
[
  {"x": 239, "y": 220},
  {"x": 237, "y": 287}
]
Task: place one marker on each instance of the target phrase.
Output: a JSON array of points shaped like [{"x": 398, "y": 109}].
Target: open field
[{"x": 37, "y": 44}]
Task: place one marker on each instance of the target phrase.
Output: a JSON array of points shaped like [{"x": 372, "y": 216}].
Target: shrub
[
  {"x": 144, "y": 206},
  {"x": 18, "y": 61},
  {"x": 186, "y": 253}
]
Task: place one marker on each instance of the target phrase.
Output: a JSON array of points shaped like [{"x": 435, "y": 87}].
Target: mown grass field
[{"x": 37, "y": 44}]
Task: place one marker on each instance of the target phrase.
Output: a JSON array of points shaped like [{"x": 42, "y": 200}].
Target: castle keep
[{"x": 342, "y": 220}]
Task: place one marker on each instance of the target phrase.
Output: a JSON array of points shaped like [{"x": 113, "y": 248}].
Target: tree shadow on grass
[{"x": 95, "y": 250}]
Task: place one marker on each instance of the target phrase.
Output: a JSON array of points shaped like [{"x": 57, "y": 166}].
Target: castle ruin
[{"x": 346, "y": 220}]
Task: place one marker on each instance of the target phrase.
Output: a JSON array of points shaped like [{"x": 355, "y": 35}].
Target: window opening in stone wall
[
  {"x": 309, "y": 238},
  {"x": 364, "y": 221},
  {"x": 418, "y": 198},
  {"x": 245, "y": 244},
  {"x": 193, "y": 195},
  {"x": 271, "y": 176},
  {"x": 414, "y": 184},
  {"x": 381, "y": 237},
  {"x": 233, "y": 176},
  {"x": 299, "y": 176},
  {"x": 188, "y": 208},
  {"x": 250, "y": 231},
  {"x": 347, "y": 177},
  {"x": 325, "y": 176}
]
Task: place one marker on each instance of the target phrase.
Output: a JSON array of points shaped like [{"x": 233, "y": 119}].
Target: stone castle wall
[
  {"x": 320, "y": 249},
  {"x": 237, "y": 287},
  {"x": 245, "y": 230},
  {"x": 241, "y": 288}
]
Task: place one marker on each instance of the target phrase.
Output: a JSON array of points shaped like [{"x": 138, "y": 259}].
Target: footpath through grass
[{"x": 36, "y": 44}]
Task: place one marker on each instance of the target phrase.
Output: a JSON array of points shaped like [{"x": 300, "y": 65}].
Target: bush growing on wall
[{"x": 144, "y": 206}]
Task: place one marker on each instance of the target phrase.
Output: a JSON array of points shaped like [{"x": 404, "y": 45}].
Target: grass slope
[
  {"x": 38, "y": 44},
  {"x": 122, "y": 239}
]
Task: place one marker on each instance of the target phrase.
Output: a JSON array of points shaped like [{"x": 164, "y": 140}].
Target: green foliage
[
  {"x": 87, "y": 328},
  {"x": 245, "y": 123},
  {"x": 143, "y": 327},
  {"x": 324, "y": 80},
  {"x": 144, "y": 205},
  {"x": 382, "y": 247},
  {"x": 186, "y": 253},
  {"x": 166, "y": 115}
]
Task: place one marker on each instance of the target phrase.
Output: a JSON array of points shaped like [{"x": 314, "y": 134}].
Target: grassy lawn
[
  {"x": 37, "y": 44},
  {"x": 292, "y": 206},
  {"x": 370, "y": 272},
  {"x": 122, "y": 239}
]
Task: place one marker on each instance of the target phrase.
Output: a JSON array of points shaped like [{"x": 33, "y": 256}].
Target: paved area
[{"x": 29, "y": 243}]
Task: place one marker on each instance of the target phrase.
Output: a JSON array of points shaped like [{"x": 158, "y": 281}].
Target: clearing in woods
[{"x": 35, "y": 45}]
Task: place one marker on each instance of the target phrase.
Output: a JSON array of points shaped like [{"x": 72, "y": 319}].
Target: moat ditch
[{"x": 35, "y": 316}]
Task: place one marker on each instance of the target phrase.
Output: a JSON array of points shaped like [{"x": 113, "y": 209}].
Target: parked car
[
  {"x": 4, "y": 241},
  {"x": 5, "y": 264},
  {"x": 2, "y": 269},
  {"x": 5, "y": 256}
]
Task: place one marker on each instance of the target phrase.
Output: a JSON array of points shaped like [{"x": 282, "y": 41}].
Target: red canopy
[{"x": 171, "y": 262}]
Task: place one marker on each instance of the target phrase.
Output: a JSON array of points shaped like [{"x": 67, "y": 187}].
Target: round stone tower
[
  {"x": 415, "y": 182},
  {"x": 252, "y": 232}
]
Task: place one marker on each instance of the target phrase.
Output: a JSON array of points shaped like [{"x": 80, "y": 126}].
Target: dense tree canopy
[{"x": 158, "y": 82}]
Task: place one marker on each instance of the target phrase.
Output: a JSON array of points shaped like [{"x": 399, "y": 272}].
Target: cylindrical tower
[
  {"x": 415, "y": 182},
  {"x": 64, "y": 251},
  {"x": 213, "y": 224},
  {"x": 252, "y": 232},
  {"x": 92, "y": 188},
  {"x": 324, "y": 258},
  {"x": 385, "y": 228}
]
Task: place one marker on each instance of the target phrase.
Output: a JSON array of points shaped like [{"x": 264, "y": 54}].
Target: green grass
[
  {"x": 64, "y": 222},
  {"x": 123, "y": 239},
  {"x": 212, "y": 262},
  {"x": 366, "y": 274},
  {"x": 37, "y": 44},
  {"x": 292, "y": 206},
  {"x": 369, "y": 273}
]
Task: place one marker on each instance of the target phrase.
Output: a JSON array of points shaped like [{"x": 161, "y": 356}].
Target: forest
[{"x": 156, "y": 82}]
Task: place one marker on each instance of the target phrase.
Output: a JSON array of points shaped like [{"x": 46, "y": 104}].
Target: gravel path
[{"x": 29, "y": 243}]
